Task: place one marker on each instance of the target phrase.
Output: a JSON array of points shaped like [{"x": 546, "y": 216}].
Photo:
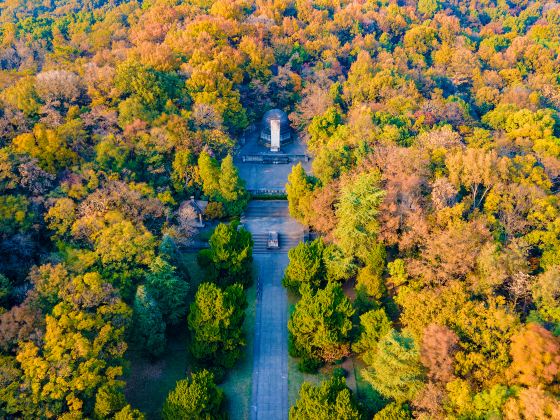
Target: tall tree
[
  {"x": 546, "y": 294},
  {"x": 216, "y": 323},
  {"x": 320, "y": 325},
  {"x": 306, "y": 266},
  {"x": 148, "y": 326},
  {"x": 169, "y": 290},
  {"x": 331, "y": 400},
  {"x": 299, "y": 189},
  {"x": 396, "y": 371},
  {"x": 209, "y": 174},
  {"x": 232, "y": 188},
  {"x": 229, "y": 258},
  {"x": 374, "y": 324},
  {"x": 195, "y": 398},
  {"x": 357, "y": 212}
]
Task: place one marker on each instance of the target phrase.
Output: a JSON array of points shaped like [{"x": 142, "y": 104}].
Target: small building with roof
[{"x": 275, "y": 130}]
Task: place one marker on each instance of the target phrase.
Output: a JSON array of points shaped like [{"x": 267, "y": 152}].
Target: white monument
[
  {"x": 275, "y": 135},
  {"x": 275, "y": 130}
]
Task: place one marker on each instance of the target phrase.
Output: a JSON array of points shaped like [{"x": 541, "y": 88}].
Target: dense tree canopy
[
  {"x": 228, "y": 260},
  {"x": 330, "y": 400},
  {"x": 215, "y": 321},
  {"x": 320, "y": 325},
  {"x": 434, "y": 133},
  {"x": 195, "y": 398}
]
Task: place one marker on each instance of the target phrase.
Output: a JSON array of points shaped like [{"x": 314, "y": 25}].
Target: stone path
[
  {"x": 270, "y": 363},
  {"x": 269, "y": 400}
]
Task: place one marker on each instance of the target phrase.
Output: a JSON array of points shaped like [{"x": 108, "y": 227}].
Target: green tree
[
  {"x": 14, "y": 214},
  {"x": 195, "y": 398},
  {"x": 306, "y": 266},
  {"x": 320, "y": 324},
  {"x": 357, "y": 211},
  {"x": 232, "y": 188},
  {"x": 47, "y": 146},
  {"x": 10, "y": 387},
  {"x": 169, "y": 290},
  {"x": 396, "y": 371},
  {"x": 209, "y": 174},
  {"x": 298, "y": 190},
  {"x": 150, "y": 87},
  {"x": 374, "y": 325},
  {"x": 370, "y": 276},
  {"x": 183, "y": 170},
  {"x": 129, "y": 413},
  {"x": 5, "y": 291},
  {"x": 212, "y": 88},
  {"x": 394, "y": 411},
  {"x": 331, "y": 400},
  {"x": 148, "y": 326},
  {"x": 338, "y": 266},
  {"x": 322, "y": 128},
  {"x": 216, "y": 324},
  {"x": 546, "y": 294},
  {"x": 229, "y": 258}
]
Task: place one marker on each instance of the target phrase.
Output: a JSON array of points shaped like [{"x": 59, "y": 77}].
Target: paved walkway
[
  {"x": 270, "y": 363},
  {"x": 269, "y": 400}
]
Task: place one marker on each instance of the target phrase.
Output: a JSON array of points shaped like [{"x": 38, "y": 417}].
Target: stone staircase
[{"x": 286, "y": 242}]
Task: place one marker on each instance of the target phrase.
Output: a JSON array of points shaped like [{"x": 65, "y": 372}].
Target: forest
[{"x": 434, "y": 132}]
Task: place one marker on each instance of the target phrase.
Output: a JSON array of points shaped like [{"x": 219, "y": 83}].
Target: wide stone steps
[
  {"x": 286, "y": 242},
  {"x": 273, "y": 211}
]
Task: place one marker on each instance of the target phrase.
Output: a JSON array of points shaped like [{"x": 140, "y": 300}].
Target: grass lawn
[{"x": 149, "y": 382}]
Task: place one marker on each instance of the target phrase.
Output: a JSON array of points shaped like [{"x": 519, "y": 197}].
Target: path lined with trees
[{"x": 269, "y": 398}]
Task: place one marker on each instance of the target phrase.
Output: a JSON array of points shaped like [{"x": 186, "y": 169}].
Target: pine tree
[
  {"x": 374, "y": 324},
  {"x": 232, "y": 188},
  {"x": 396, "y": 371},
  {"x": 210, "y": 175},
  {"x": 306, "y": 266},
  {"x": 299, "y": 189},
  {"x": 169, "y": 290},
  {"x": 216, "y": 324},
  {"x": 331, "y": 400},
  {"x": 149, "y": 328},
  {"x": 320, "y": 324},
  {"x": 357, "y": 212},
  {"x": 229, "y": 258},
  {"x": 195, "y": 398}
]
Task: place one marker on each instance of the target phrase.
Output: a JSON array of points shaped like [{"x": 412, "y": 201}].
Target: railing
[
  {"x": 267, "y": 192},
  {"x": 275, "y": 158}
]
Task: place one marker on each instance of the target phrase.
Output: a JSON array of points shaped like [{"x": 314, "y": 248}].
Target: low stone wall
[{"x": 270, "y": 158}]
